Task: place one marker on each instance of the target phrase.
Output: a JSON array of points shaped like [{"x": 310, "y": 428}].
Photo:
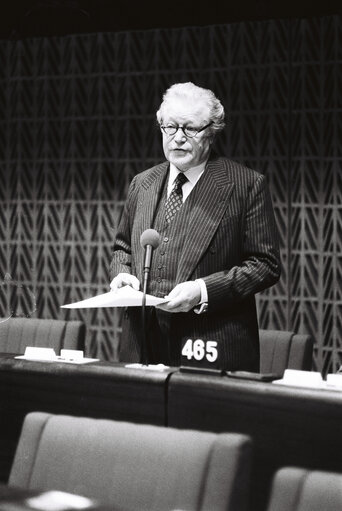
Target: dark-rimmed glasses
[{"x": 188, "y": 131}]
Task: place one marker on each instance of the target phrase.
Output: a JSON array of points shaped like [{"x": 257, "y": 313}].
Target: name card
[
  {"x": 301, "y": 379},
  {"x": 71, "y": 354},
  {"x": 32, "y": 353},
  {"x": 334, "y": 380},
  {"x": 49, "y": 355}
]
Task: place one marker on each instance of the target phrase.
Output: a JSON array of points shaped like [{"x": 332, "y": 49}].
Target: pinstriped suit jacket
[{"x": 232, "y": 244}]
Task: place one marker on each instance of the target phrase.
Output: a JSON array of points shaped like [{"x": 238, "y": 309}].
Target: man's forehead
[{"x": 186, "y": 109}]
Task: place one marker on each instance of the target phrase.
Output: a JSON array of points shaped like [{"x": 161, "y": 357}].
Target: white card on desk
[
  {"x": 58, "y": 501},
  {"x": 301, "y": 379},
  {"x": 49, "y": 355},
  {"x": 33, "y": 353},
  {"x": 334, "y": 380}
]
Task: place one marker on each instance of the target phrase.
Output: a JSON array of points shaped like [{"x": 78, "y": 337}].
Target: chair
[
  {"x": 296, "y": 489},
  {"x": 133, "y": 466},
  {"x": 17, "y": 333},
  {"x": 280, "y": 350}
]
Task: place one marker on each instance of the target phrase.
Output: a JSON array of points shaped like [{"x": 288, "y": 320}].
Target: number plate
[{"x": 201, "y": 353}]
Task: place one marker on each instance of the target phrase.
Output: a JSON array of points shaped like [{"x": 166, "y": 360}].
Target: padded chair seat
[
  {"x": 280, "y": 350},
  {"x": 17, "y": 333},
  {"x": 296, "y": 489},
  {"x": 133, "y": 466}
]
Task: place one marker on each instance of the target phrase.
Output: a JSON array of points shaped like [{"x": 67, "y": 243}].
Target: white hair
[{"x": 189, "y": 90}]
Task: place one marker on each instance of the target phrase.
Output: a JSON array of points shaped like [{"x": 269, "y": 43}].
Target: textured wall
[{"x": 77, "y": 123}]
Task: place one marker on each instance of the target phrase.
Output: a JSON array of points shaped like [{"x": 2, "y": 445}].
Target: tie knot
[{"x": 179, "y": 181}]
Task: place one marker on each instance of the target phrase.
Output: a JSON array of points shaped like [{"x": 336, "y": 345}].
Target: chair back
[
  {"x": 280, "y": 350},
  {"x": 133, "y": 466},
  {"x": 17, "y": 333},
  {"x": 297, "y": 489}
]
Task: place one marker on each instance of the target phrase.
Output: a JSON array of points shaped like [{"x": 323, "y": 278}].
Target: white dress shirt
[{"x": 192, "y": 174}]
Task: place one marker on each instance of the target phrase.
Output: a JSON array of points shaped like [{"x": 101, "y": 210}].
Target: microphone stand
[
  {"x": 147, "y": 266},
  {"x": 149, "y": 240}
]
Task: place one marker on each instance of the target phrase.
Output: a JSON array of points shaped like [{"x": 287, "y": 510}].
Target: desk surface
[
  {"x": 98, "y": 389},
  {"x": 291, "y": 423},
  {"x": 95, "y": 370},
  {"x": 241, "y": 390}
]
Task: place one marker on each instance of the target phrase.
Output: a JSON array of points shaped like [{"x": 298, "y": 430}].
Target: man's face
[{"x": 182, "y": 151}]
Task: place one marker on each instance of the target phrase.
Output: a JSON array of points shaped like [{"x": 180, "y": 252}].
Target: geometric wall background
[{"x": 77, "y": 122}]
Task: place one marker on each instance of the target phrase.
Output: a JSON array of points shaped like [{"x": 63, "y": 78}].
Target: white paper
[
  {"x": 39, "y": 353},
  {"x": 58, "y": 501},
  {"x": 335, "y": 380},
  {"x": 48, "y": 355},
  {"x": 123, "y": 297},
  {"x": 81, "y": 361},
  {"x": 152, "y": 367},
  {"x": 297, "y": 378}
]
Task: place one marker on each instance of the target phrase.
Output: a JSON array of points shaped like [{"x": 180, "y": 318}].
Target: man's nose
[{"x": 180, "y": 135}]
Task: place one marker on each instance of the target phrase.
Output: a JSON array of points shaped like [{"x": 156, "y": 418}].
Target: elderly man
[{"x": 219, "y": 243}]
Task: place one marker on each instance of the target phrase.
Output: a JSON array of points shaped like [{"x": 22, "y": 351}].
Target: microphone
[{"x": 149, "y": 240}]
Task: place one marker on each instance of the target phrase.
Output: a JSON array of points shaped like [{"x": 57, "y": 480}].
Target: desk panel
[
  {"x": 99, "y": 390},
  {"x": 288, "y": 425}
]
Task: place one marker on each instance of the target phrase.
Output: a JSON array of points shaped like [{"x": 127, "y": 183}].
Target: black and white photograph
[{"x": 170, "y": 255}]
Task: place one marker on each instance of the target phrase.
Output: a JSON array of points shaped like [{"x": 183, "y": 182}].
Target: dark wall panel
[{"x": 77, "y": 122}]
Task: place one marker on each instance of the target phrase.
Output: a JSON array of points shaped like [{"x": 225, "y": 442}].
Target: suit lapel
[
  {"x": 150, "y": 191},
  {"x": 209, "y": 203},
  {"x": 149, "y": 195}
]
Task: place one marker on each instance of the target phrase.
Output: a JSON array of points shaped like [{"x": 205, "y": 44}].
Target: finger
[
  {"x": 175, "y": 305},
  {"x": 113, "y": 285},
  {"x": 164, "y": 307},
  {"x": 174, "y": 293},
  {"x": 124, "y": 279},
  {"x": 135, "y": 283},
  {"x": 130, "y": 280},
  {"x": 167, "y": 306}
]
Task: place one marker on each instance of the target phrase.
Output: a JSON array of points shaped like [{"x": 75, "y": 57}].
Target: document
[{"x": 125, "y": 296}]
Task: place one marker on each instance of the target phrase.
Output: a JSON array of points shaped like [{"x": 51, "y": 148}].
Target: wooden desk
[
  {"x": 288, "y": 425},
  {"x": 99, "y": 390}
]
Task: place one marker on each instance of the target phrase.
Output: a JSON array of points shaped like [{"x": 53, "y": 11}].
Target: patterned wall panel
[
  {"x": 77, "y": 122},
  {"x": 315, "y": 206}
]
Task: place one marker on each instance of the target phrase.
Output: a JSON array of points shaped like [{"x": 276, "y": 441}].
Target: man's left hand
[{"x": 182, "y": 298}]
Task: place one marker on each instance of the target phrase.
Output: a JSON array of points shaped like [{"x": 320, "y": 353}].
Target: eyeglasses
[{"x": 188, "y": 131}]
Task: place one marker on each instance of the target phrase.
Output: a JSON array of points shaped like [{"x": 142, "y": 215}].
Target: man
[{"x": 219, "y": 242}]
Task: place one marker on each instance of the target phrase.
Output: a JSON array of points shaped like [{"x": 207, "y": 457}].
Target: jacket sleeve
[
  {"x": 122, "y": 255},
  {"x": 260, "y": 262}
]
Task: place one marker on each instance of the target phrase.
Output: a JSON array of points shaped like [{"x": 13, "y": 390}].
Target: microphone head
[{"x": 150, "y": 237}]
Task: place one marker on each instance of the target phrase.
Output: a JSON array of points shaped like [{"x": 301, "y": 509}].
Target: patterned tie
[{"x": 175, "y": 200}]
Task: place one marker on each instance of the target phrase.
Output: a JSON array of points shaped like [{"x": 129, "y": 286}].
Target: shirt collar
[{"x": 192, "y": 174}]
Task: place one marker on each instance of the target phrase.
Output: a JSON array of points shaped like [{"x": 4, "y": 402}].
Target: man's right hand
[{"x": 124, "y": 279}]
